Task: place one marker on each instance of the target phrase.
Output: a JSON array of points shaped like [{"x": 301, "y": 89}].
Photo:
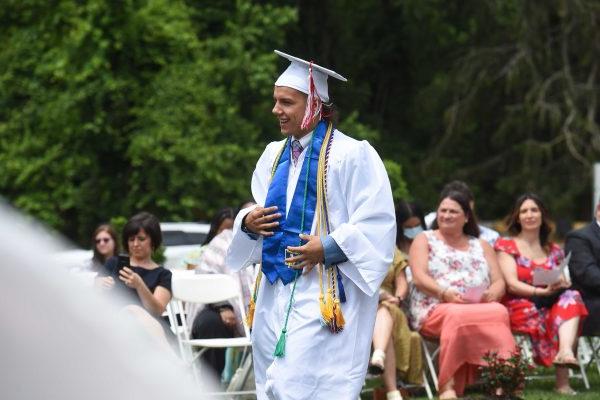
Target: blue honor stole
[{"x": 292, "y": 225}]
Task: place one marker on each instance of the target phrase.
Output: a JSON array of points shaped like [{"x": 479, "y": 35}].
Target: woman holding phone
[
  {"x": 144, "y": 286},
  {"x": 144, "y": 282}
]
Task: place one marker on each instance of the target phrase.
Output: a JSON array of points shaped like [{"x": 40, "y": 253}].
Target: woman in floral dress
[
  {"x": 446, "y": 264},
  {"x": 550, "y": 315}
]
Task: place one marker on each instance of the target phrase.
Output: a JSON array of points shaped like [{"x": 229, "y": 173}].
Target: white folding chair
[
  {"x": 589, "y": 347},
  {"x": 524, "y": 343},
  {"x": 206, "y": 289}
]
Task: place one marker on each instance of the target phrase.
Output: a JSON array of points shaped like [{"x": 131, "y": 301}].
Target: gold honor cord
[{"x": 329, "y": 304}]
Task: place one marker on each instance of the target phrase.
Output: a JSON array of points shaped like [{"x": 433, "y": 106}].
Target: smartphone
[{"x": 122, "y": 261}]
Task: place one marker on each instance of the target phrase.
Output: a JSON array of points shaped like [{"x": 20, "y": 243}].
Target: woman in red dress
[{"x": 551, "y": 315}]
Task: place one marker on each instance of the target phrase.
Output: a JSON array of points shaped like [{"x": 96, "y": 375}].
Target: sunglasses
[{"x": 105, "y": 240}]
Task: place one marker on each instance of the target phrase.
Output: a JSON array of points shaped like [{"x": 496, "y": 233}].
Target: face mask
[{"x": 412, "y": 233}]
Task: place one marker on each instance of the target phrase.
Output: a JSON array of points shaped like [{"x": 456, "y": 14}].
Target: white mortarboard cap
[{"x": 296, "y": 76}]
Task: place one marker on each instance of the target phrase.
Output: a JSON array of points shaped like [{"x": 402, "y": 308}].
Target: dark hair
[
  {"x": 329, "y": 113},
  {"x": 470, "y": 228},
  {"x": 97, "y": 258},
  {"x": 404, "y": 211},
  {"x": 146, "y": 221},
  {"x": 457, "y": 186},
  {"x": 221, "y": 215},
  {"x": 514, "y": 226}
]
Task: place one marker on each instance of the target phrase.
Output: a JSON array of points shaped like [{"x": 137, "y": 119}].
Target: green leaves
[{"x": 108, "y": 107}]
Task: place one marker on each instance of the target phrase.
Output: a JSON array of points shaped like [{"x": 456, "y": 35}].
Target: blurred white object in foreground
[{"x": 59, "y": 340}]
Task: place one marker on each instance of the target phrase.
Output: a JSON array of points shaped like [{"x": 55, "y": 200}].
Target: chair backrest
[{"x": 205, "y": 288}]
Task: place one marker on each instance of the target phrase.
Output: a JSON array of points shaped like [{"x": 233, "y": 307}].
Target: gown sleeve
[{"x": 368, "y": 237}]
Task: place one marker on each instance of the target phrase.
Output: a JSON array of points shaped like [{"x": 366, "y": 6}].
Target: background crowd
[{"x": 453, "y": 282}]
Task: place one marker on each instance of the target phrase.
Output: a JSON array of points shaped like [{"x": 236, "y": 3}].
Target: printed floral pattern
[
  {"x": 540, "y": 324},
  {"x": 450, "y": 268}
]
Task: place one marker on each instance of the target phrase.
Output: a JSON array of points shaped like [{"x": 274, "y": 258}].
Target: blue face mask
[{"x": 412, "y": 233}]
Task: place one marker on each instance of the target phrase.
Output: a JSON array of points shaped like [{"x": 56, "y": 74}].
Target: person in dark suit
[{"x": 584, "y": 245}]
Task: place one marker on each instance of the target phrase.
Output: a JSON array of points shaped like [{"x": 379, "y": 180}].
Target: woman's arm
[
  {"x": 497, "y": 286},
  {"x": 508, "y": 266},
  {"x": 418, "y": 256},
  {"x": 155, "y": 303},
  {"x": 401, "y": 285}
]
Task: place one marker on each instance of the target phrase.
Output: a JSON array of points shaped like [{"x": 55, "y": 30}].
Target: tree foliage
[
  {"x": 109, "y": 107},
  {"x": 112, "y": 107}
]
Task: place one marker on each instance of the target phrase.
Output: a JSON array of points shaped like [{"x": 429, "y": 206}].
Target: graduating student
[{"x": 324, "y": 230}]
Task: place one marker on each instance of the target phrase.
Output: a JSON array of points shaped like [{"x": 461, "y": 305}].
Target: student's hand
[
  {"x": 309, "y": 254},
  {"x": 106, "y": 282},
  {"x": 262, "y": 220},
  {"x": 130, "y": 278}
]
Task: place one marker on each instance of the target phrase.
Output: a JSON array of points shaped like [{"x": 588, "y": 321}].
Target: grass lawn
[{"x": 535, "y": 389}]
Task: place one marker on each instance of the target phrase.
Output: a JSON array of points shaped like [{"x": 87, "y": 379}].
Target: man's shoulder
[
  {"x": 341, "y": 138},
  {"x": 347, "y": 146},
  {"x": 582, "y": 231},
  {"x": 587, "y": 232},
  {"x": 275, "y": 145},
  {"x": 270, "y": 152}
]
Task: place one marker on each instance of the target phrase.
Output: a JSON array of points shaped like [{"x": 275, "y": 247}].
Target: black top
[{"x": 152, "y": 278}]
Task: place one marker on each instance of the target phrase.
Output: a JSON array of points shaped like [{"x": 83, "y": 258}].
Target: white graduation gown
[{"x": 318, "y": 364}]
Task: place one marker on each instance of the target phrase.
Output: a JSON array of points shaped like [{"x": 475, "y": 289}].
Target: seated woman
[
  {"x": 550, "y": 315},
  {"x": 396, "y": 347},
  {"x": 106, "y": 245},
  {"x": 223, "y": 219},
  {"x": 145, "y": 287},
  {"x": 446, "y": 263}
]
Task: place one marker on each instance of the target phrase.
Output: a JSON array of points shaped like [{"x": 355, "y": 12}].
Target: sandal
[
  {"x": 569, "y": 362},
  {"x": 567, "y": 391},
  {"x": 377, "y": 362}
]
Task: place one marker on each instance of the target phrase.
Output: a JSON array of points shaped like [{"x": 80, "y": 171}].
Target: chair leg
[
  {"x": 430, "y": 365},
  {"x": 584, "y": 377},
  {"x": 594, "y": 343},
  {"x": 427, "y": 387}
]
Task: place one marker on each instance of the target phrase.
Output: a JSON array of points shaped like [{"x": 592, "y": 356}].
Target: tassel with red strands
[{"x": 313, "y": 102}]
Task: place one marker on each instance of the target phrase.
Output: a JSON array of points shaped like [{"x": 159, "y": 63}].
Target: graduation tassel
[
  {"x": 313, "y": 102},
  {"x": 325, "y": 316},
  {"x": 250, "y": 316},
  {"x": 252, "y": 304},
  {"x": 328, "y": 316},
  {"x": 322, "y": 307},
  {"x": 338, "y": 316},
  {"x": 337, "y": 307},
  {"x": 280, "y": 347}
]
